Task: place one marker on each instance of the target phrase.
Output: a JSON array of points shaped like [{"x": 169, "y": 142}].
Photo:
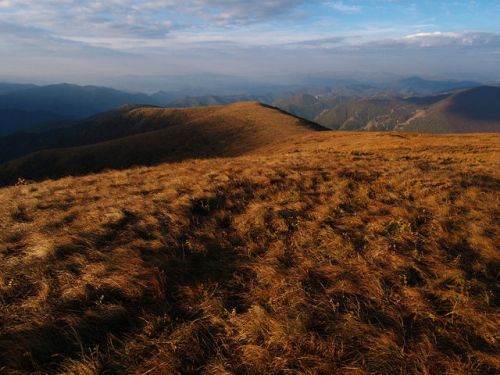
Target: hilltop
[
  {"x": 148, "y": 135},
  {"x": 323, "y": 253}
]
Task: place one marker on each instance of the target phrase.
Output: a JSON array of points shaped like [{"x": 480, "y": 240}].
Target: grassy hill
[
  {"x": 149, "y": 135},
  {"x": 328, "y": 252}
]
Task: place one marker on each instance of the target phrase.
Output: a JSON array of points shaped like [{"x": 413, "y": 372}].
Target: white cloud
[
  {"x": 343, "y": 7},
  {"x": 452, "y": 39}
]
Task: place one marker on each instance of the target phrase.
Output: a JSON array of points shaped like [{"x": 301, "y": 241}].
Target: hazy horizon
[{"x": 271, "y": 41}]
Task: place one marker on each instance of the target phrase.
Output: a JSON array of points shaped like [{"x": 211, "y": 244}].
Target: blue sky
[{"x": 89, "y": 39}]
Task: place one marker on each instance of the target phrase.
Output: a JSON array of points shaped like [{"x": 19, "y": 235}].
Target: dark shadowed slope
[
  {"x": 478, "y": 104},
  {"x": 164, "y": 135},
  {"x": 469, "y": 111}
]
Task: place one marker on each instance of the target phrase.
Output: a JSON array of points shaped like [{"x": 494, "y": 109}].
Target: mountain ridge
[{"x": 155, "y": 135}]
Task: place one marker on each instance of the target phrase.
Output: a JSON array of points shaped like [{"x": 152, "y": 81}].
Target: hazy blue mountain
[
  {"x": 25, "y": 107},
  {"x": 70, "y": 101},
  {"x": 424, "y": 86},
  {"x": 197, "y": 85},
  {"x": 15, "y": 120},
  {"x": 161, "y": 98},
  {"x": 7, "y": 88}
]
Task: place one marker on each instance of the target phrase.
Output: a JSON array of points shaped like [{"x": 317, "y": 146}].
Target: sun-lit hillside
[{"x": 328, "y": 253}]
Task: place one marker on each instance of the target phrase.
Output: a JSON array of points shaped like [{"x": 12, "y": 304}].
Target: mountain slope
[
  {"x": 309, "y": 106},
  {"x": 144, "y": 136},
  {"x": 469, "y": 111},
  {"x": 382, "y": 112}
]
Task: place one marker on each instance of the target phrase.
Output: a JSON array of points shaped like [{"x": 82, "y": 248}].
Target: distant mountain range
[
  {"x": 418, "y": 85},
  {"x": 26, "y": 106},
  {"x": 71, "y": 101}
]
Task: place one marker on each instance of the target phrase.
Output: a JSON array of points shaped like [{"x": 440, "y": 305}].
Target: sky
[{"x": 87, "y": 41}]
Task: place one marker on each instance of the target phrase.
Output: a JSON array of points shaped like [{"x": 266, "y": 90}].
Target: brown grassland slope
[
  {"x": 330, "y": 253},
  {"x": 151, "y": 135}
]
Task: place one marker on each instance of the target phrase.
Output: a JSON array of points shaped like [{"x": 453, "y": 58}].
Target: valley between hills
[{"x": 241, "y": 239}]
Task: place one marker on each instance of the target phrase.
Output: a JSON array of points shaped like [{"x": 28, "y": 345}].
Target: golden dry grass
[{"x": 333, "y": 253}]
